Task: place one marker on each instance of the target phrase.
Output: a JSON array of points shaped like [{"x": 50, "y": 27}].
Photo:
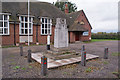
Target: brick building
[{"x": 14, "y": 22}]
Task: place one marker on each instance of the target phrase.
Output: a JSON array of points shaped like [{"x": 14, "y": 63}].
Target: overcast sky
[{"x": 102, "y": 14}]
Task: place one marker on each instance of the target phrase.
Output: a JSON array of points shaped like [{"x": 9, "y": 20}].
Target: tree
[{"x": 71, "y": 6}]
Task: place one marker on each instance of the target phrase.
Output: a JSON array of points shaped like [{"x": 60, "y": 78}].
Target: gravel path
[{"x": 15, "y": 66}]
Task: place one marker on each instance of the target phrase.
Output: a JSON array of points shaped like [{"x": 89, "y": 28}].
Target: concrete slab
[{"x": 58, "y": 63}]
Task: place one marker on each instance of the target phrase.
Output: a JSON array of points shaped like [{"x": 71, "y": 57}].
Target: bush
[{"x": 101, "y": 35}]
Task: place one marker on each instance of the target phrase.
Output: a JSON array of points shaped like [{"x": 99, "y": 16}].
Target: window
[
  {"x": 46, "y": 26},
  {"x": 85, "y": 33},
  {"x": 24, "y": 25},
  {"x": 82, "y": 22},
  {"x": 4, "y": 24}
]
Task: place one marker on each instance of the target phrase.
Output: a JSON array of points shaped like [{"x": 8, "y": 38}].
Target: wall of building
[
  {"x": 9, "y": 39},
  {"x": 42, "y": 39},
  {"x": 86, "y": 25},
  {"x": 72, "y": 37}
]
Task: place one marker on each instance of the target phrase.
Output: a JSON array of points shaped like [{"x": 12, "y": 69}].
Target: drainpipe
[
  {"x": 37, "y": 33},
  {"x": 14, "y": 33},
  {"x": 69, "y": 37}
]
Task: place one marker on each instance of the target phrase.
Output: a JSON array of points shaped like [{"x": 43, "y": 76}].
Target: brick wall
[
  {"x": 34, "y": 33},
  {"x": 72, "y": 37},
  {"x": 87, "y": 26},
  {"x": 42, "y": 39},
  {"x": 9, "y": 39},
  {"x": 17, "y": 33}
]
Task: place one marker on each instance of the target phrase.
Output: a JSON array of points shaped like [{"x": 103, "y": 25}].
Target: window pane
[
  {"x": 30, "y": 19},
  {"x": 1, "y": 30},
  {"x": 30, "y": 25},
  {"x": 22, "y": 31},
  {"x": 42, "y": 31},
  {"x": 1, "y": 24},
  {"x": 45, "y": 31},
  {"x": 1, "y": 17},
  {"x": 30, "y": 31},
  {"x": 22, "y": 19},
  {"x": 26, "y": 31},
  {"x": 49, "y": 31},
  {"x": 5, "y": 24},
  {"x": 26, "y": 25},
  {"x": 5, "y": 17},
  {"x": 22, "y": 25},
  {"x": 45, "y": 25},
  {"x": 48, "y": 20},
  {"x": 45, "y": 20},
  {"x": 26, "y": 19},
  {"x": 42, "y": 20},
  {"x": 42, "y": 25},
  {"x": 48, "y": 25},
  {"x": 5, "y": 30}
]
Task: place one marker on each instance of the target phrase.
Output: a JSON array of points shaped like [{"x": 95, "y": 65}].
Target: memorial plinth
[{"x": 60, "y": 49}]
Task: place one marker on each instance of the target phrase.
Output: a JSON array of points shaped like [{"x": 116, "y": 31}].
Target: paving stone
[{"x": 57, "y": 63}]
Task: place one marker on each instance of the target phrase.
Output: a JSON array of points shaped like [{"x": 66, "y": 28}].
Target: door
[{"x": 77, "y": 38}]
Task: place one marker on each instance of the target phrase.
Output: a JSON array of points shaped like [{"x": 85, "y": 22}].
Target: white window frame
[
  {"x": 3, "y": 21},
  {"x": 25, "y": 22},
  {"x": 86, "y": 33},
  {"x": 43, "y": 23}
]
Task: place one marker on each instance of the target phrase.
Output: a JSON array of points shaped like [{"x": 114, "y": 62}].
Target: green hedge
[{"x": 114, "y": 36}]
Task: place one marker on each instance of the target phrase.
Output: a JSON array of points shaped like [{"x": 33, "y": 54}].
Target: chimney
[{"x": 66, "y": 8}]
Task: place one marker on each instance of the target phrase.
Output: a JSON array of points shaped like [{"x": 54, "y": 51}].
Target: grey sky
[{"x": 102, "y": 14}]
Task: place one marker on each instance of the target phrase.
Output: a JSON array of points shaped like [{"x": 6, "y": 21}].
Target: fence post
[
  {"x": 21, "y": 50},
  {"x": 83, "y": 58},
  {"x": 29, "y": 56},
  {"x": 106, "y": 53},
  {"x": 43, "y": 65},
  {"x": 83, "y": 47}
]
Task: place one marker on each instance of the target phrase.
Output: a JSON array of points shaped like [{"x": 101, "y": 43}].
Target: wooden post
[
  {"x": 21, "y": 50},
  {"x": 106, "y": 53},
  {"x": 44, "y": 65},
  {"x": 83, "y": 58},
  {"x": 29, "y": 56},
  {"x": 83, "y": 48}
]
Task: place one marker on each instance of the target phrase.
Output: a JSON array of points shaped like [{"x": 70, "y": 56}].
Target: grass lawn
[{"x": 97, "y": 40}]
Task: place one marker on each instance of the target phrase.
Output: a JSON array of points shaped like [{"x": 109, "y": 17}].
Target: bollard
[
  {"x": 83, "y": 48},
  {"x": 43, "y": 66},
  {"x": 48, "y": 42},
  {"x": 106, "y": 53},
  {"x": 48, "y": 47},
  {"x": 29, "y": 56},
  {"x": 21, "y": 50},
  {"x": 83, "y": 58}
]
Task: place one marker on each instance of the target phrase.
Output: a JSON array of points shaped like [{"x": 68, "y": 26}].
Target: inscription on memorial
[{"x": 61, "y": 33}]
